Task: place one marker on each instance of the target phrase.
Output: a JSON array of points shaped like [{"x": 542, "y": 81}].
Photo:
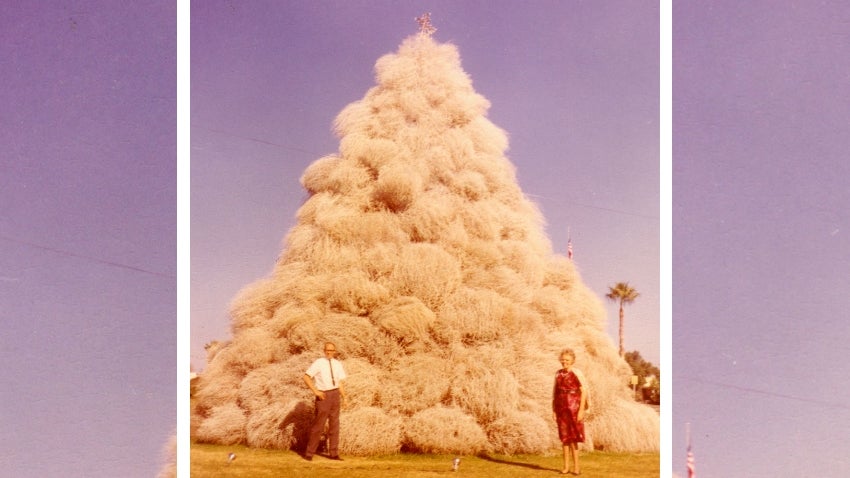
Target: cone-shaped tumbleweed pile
[{"x": 419, "y": 256}]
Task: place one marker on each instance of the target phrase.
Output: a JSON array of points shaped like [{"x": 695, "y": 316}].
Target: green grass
[{"x": 211, "y": 461}]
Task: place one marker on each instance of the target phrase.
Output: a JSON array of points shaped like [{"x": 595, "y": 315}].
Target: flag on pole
[
  {"x": 692, "y": 473},
  {"x": 569, "y": 246}
]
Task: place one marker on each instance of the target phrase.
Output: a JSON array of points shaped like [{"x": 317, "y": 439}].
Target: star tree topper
[{"x": 425, "y": 26}]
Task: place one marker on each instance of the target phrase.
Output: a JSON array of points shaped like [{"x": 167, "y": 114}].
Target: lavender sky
[
  {"x": 87, "y": 237},
  {"x": 574, "y": 84},
  {"x": 761, "y": 237}
]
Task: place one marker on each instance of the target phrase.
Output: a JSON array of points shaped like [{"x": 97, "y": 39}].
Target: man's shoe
[{"x": 308, "y": 457}]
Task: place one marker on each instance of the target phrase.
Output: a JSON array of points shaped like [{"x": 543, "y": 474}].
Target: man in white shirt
[{"x": 324, "y": 377}]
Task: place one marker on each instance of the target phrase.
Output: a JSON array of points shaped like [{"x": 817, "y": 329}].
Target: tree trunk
[{"x": 622, "y": 351}]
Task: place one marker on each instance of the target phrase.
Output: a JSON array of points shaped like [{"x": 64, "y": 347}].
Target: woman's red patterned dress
[{"x": 566, "y": 400}]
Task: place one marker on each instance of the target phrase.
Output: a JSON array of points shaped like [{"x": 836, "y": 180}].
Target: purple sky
[
  {"x": 87, "y": 237},
  {"x": 574, "y": 84},
  {"x": 761, "y": 237}
]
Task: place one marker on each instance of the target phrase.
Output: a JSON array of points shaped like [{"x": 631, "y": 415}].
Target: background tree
[
  {"x": 623, "y": 293},
  {"x": 650, "y": 391}
]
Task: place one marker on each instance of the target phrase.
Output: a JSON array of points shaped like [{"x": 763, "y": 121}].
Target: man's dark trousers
[{"x": 327, "y": 409}]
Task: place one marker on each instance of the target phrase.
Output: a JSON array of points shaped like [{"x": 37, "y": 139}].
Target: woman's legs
[
  {"x": 574, "y": 451},
  {"x": 566, "y": 468}
]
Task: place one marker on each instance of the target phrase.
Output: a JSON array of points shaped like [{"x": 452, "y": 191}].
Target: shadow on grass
[{"x": 520, "y": 464}]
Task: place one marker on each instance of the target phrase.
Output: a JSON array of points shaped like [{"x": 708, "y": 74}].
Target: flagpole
[{"x": 690, "y": 461}]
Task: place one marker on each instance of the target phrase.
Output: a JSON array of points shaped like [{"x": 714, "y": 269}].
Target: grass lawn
[{"x": 211, "y": 461}]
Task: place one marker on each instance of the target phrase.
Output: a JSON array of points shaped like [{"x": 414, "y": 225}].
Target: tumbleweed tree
[{"x": 417, "y": 253}]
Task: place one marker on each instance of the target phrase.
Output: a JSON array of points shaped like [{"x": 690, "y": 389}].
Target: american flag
[
  {"x": 570, "y": 248},
  {"x": 692, "y": 473}
]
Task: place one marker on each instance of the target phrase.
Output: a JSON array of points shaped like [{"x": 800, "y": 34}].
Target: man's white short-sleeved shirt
[{"x": 320, "y": 372}]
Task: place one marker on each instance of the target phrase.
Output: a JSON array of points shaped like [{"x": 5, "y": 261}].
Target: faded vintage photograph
[
  {"x": 88, "y": 195},
  {"x": 425, "y": 238},
  {"x": 761, "y": 121}
]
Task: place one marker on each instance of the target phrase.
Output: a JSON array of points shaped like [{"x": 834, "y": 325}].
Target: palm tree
[{"x": 623, "y": 293}]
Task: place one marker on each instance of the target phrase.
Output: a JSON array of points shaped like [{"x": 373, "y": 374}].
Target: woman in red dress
[{"x": 569, "y": 400}]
